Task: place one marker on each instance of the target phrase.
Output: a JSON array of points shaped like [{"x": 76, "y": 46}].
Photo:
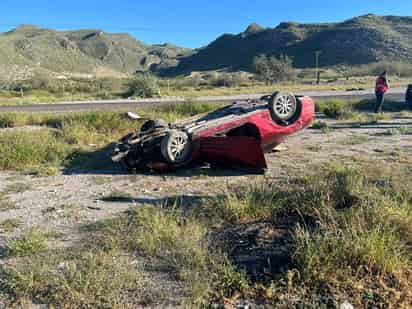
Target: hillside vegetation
[
  {"x": 84, "y": 51},
  {"x": 361, "y": 40}
]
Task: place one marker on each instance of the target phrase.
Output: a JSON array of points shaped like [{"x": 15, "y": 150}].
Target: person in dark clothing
[{"x": 382, "y": 87}]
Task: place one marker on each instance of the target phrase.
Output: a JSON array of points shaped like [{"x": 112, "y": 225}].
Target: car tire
[
  {"x": 284, "y": 108},
  {"x": 176, "y": 148}
]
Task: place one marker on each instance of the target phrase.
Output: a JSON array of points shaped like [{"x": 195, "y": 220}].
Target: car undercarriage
[{"x": 236, "y": 134}]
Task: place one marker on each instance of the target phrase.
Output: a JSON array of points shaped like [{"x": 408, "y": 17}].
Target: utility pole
[{"x": 317, "y": 73}]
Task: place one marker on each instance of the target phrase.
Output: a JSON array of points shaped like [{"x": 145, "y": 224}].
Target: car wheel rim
[
  {"x": 178, "y": 148},
  {"x": 284, "y": 107}
]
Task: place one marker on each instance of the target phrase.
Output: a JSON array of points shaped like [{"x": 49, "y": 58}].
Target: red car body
[
  {"x": 248, "y": 151},
  {"x": 233, "y": 136}
]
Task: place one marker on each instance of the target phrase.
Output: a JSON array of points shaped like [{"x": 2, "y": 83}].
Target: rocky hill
[
  {"x": 359, "y": 40},
  {"x": 82, "y": 51}
]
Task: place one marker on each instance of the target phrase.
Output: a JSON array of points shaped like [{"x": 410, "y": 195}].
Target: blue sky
[{"x": 187, "y": 23}]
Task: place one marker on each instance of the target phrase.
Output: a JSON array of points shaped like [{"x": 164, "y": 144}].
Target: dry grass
[
  {"x": 177, "y": 244},
  {"x": 351, "y": 234},
  {"x": 9, "y": 225},
  {"x": 73, "y": 280}
]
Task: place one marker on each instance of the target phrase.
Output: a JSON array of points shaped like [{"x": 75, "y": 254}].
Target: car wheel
[
  {"x": 176, "y": 148},
  {"x": 284, "y": 108}
]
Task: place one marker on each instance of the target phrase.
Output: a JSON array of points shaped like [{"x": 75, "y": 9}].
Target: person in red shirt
[{"x": 382, "y": 87}]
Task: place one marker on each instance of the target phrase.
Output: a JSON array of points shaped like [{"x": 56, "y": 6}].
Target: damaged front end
[{"x": 142, "y": 147}]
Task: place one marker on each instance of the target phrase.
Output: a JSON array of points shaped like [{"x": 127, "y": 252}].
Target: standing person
[{"x": 382, "y": 86}]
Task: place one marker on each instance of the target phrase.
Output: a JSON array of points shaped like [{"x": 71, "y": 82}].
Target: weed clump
[{"x": 28, "y": 244}]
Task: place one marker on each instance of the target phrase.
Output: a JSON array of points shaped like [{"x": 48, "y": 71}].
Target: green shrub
[
  {"x": 256, "y": 201},
  {"x": 28, "y": 244},
  {"x": 144, "y": 86},
  {"x": 273, "y": 69},
  {"x": 335, "y": 109}
]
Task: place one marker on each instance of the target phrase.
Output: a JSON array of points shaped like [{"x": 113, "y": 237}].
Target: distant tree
[
  {"x": 144, "y": 85},
  {"x": 262, "y": 69},
  {"x": 273, "y": 69}
]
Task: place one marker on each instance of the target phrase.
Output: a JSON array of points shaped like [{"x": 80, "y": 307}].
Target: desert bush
[
  {"x": 143, "y": 85},
  {"x": 272, "y": 69},
  {"x": 336, "y": 109},
  {"x": 221, "y": 80}
]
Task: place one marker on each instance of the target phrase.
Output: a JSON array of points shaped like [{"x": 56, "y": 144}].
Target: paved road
[{"x": 120, "y": 105}]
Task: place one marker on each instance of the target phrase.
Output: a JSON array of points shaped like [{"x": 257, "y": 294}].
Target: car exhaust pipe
[{"x": 133, "y": 116}]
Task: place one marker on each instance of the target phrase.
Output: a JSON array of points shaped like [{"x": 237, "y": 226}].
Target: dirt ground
[{"x": 64, "y": 202}]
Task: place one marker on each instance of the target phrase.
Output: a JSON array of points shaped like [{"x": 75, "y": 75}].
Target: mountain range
[
  {"x": 82, "y": 51},
  {"x": 361, "y": 40}
]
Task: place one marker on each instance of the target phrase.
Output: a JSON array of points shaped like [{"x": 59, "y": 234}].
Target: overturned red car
[{"x": 233, "y": 136}]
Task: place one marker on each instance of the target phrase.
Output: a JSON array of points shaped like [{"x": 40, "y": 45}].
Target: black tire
[
  {"x": 176, "y": 148},
  {"x": 284, "y": 108},
  {"x": 153, "y": 124}
]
